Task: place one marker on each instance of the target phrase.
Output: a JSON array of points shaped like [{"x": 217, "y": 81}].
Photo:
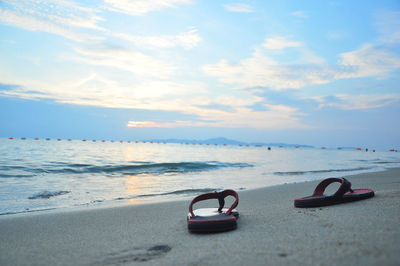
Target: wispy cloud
[
  {"x": 299, "y": 14},
  {"x": 61, "y": 18},
  {"x": 279, "y": 43},
  {"x": 152, "y": 124},
  {"x": 358, "y": 102},
  {"x": 188, "y": 40},
  {"x": 146, "y": 124},
  {"x": 141, "y": 7},
  {"x": 124, "y": 59},
  {"x": 368, "y": 61},
  {"x": 188, "y": 98},
  {"x": 239, "y": 8},
  {"x": 388, "y": 24},
  {"x": 261, "y": 70}
]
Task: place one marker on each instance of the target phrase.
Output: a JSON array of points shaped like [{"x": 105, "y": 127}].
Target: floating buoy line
[{"x": 193, "y": 143}]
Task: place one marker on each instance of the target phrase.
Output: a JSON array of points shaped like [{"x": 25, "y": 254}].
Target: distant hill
[{"x": 222, "y": 141}]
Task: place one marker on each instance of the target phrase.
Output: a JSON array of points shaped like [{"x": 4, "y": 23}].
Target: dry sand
[{"x": 270, "y": 232}]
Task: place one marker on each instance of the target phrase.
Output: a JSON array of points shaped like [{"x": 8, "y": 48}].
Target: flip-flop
[
  {"x": 342, "y": 195},
  {"x": 210, "y": 220}
]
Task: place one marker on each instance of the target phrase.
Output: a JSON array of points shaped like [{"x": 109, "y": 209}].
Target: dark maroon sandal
[
  {"x": 211, "y": 220},
  {"x": 342, "y": 195}
]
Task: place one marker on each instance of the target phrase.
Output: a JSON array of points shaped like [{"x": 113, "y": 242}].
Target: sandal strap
[
  {"x": 221, "y": 199},
  {"x": 344, "y": 187}
]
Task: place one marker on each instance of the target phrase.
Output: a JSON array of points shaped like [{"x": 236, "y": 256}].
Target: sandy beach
[{"x": 270, "y": 232}]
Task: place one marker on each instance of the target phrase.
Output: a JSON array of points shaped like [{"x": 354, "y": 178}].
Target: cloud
[
  {"x": 174, "y": 124},
  {"x": 62, "y": 18},
  {"x": 263, "y": 71},
  {"x": 188, "y": 98},
  {"x": 376, "y": 58},
  {"x": 239, "y": 8},
  {"x": 141, "y": 7},
  {"x": 146, "y": 124},
  {"x": 368, "y": 61},
  {"x": 299, "y": 14},
  {"x": 388, "y": 23},
  {"x": 275, "y": 117},
  {"x": 188, "y": 40},
  {"x": 124, "y": 59},
  {"x": 98, "y": 90},
  {"x": 358, "y": 102},
  {"x": 279, "y": 43}
]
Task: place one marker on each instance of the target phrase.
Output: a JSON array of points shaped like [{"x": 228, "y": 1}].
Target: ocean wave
[
  {"x": 134, "y": 168},
  {"x": 15, "y": 176},
  {"x": 378, "y": 161},
  {"x": 322, "y": 171},
  {"x": 181, "y": 192},
  {"x": 176, "y": 192},
  {"x": 26, "y": 211},
  {"x": 387, "y": 162},
  {"x": 48, "y": 194}
]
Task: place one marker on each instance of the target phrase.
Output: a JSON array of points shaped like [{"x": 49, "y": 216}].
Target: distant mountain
[{"x": 222, "y": 141}]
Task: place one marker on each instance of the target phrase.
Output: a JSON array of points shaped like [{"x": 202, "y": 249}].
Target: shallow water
[{"x": 39, "y": 175}]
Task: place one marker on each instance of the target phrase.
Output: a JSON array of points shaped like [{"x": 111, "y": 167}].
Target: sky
[{"x": 322, "y": 73}]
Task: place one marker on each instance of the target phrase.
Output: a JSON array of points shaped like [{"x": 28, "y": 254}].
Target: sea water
[{"x": 37, "y": 175}]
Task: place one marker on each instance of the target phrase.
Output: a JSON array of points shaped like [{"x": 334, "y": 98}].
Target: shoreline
[
  {"x": 153, "y": 199},
  {"x": 270, "y": 231}
]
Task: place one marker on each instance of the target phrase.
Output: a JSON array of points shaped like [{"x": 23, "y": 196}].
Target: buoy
[
  {"x": 359, "y": 149},
  {"x": 10, "y": 138},
  {"x": 36, "y": 138}
]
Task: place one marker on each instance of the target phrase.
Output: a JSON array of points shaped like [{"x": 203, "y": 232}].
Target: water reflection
[{"x": 136, "y": 185}]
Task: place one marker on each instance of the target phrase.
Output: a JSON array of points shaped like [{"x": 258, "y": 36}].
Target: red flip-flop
[
  {"x": 210, "y": 220},
  {"x": 342, "y": 195}
]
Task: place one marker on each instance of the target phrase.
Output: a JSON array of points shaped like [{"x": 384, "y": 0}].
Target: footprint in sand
[{"x": 136, "y": 254}]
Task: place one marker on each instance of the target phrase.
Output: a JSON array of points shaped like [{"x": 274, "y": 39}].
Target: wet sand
[{"x": 270, "y": 232}]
